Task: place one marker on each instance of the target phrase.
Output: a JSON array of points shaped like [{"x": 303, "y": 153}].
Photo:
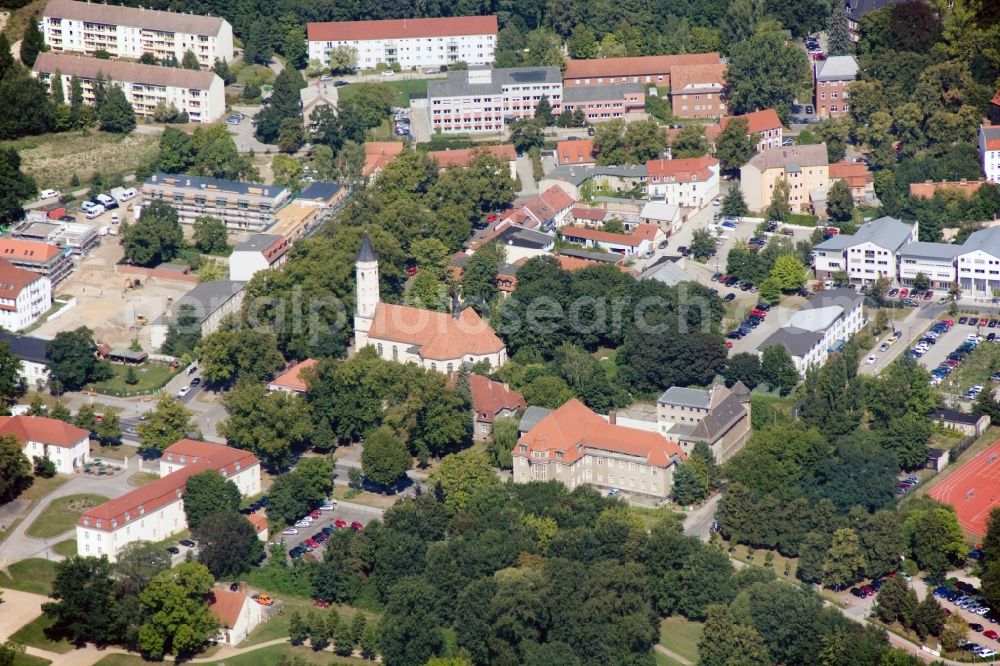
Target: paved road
[
  {"x": 698, "y": 523},
  {"x": 912, "y": 327},
  {"x": 529, "y": 186},
  {"x": 19, "y": 546},
  {"x": 242, "y": 133}
]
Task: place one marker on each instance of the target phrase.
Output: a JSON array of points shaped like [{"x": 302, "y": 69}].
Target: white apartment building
[
  {"x": 869, "y": 254},
  {"x": 989, "y": 151},
  {"x": 128, "y": 32},
  {"x": 24, "y": 296},
  {"x": 688, "y": 183},
  {"x": 412, "y": 42},
  {"x": 936, "y": 261},
  {"x": 199, "y": 93},
  {"x": 257, "y": 253},
  {"x": 155, "y": 511},
  {"x": 977, "y": 266},
  {"x": 828, "y": 321},
  {"x": 67, "y": 446},
  {"x": 485, "y": 100}
]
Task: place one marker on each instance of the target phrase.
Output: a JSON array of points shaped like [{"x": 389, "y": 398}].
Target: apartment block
[
  {"x": 603, "y": 103},
  {"x": 764, "y": 123},
  {"x": 242, "y": 206},
  {"x": 485, "y": 100},
  {"x": 869, "y": 254},
  {"x": 805, "y": 169},
  {"x": 696, "y": 91},
  {"x": 129, "y": 32},
  {"x": 833, "y": 76},
  {"x": 411, "y": 42},
  {"x": 199, "y": 93},
  {"x": 24, "y": 296},
  {"x": 42, "y": 258}
]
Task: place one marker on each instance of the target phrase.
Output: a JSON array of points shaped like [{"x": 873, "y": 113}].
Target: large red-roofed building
[
  {"x": 652, "y": 70},
  {"x": 67, "y": 446},
  {"x": 410, "y": 42},
  {"x": 155, "y": 511},
  {"x": 575, "y": 446}
]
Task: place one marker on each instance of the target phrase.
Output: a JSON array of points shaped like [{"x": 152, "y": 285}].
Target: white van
[
  {"x": 123, "y": 194},
  {"x": 115, "y": 218},
  {"x": 104, "y": 200},
  {"x": 95, "y": 211},
  {"x": 87, "y": 206},
  {"x": 49, "y": 194}
]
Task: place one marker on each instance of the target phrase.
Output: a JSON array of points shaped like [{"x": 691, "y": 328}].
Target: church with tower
[{"x": 437, "y": 341}]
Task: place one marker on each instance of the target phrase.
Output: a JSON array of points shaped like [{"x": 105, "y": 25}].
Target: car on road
[
  {"x": 327, "y": 506},
  {"x": 871, "y": 360},
  {"x": 717, "y": 201},
  {"x": 196, "y": 381},
  {"x": 883, "y": 347},
  {"x": 290, "y": 531},
  {"x": 183, "y": 391},
  {"x": 173, "y": 550},
  {"x": 49, "y": 194}
]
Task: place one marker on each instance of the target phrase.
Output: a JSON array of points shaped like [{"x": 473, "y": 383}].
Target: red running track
[{"x": 973, "y": 490}]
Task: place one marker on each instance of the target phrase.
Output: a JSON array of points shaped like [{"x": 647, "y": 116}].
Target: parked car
[
  {"x": 290, "y": 531},
  {"x": 729, "y": 297},
  {"x": 173, "y": 550},
  {"x": 340, "y": 522},
  {"x": 187, "y": 543},
  {"x": 356, "y": 526}
]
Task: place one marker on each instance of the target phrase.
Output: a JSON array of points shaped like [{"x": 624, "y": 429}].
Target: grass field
[
  {"x": 39, "y": 489},
  {"x": 681, "y": 637},
  {"x": 33, "y": 634},
  {"x": 61, "y": 515},
  {"x": 152, "y": 376},
  {"x": 664, "y": 660},
  {"x": 142, "y": 478},
  {"x": 29, "y": 660},
  {"x": 53, "y": 159},
  {"x": 975, "y": 369},
  {"x": 33, "y": 575},
  {"x": 268, "y": 656},
  {"x": 65, "y": 548}
]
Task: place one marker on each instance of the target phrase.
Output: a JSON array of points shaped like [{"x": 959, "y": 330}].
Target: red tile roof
[
  {"x": 13, "y": 280},
  {"x": 927, "y": 190},
  {"x": 439, "y": 335},
  {"x": 226, "y": 606},
  {"x": 856, "y": 174},
  {"x": 259, "y": 522},
  {"x": 573, "y": 428},
  {"x": 403, "y": 28},
  {"x": 379, "y": 153},
  {"x": 683, "y": 170},
  {"x": 24, "y": 250},
  {"x": 464, "y": 157},
  {"x": 642, "y": 232},
  {"x": 757, "y": 121},
  {"x": 584, "y": 213},
  {"x": 490, "y": 397},
  {"x": 575, "y": 151},
  {"x": 196, "y": 456},
  {"x": 542, "y": 208},
  {"x": 42, "y": 430},
  {"x": 291, "y": 379},
  {"x": 636, "y": 66},
  {"x": 576, "y": 263},
  {"x": 696, "y": 76}
]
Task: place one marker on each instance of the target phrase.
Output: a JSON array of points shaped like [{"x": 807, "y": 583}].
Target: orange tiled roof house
[
  {"x": 433, "y": 340},
  {"x": 577, "y": 447}
]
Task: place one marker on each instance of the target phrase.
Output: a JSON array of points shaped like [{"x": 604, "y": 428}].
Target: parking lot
[
  {"x": 348, "y": 513},
  {"x": 946, "y": 344}
]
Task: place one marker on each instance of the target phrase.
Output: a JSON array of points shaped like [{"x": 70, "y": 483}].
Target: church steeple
[{"x": 366, "y": 291}]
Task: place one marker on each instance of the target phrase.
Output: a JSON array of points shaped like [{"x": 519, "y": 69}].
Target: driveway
[
  {"x": 912, "y": 327},
  {"x": 242, "y": 133},
  {"x": 420, "y": 123},
  {"x": 19, "y": 546},
  {"x": 529, "y": 186}
]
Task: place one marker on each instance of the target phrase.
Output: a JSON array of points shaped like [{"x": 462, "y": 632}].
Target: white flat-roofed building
[
  {"x": 411, "y": 42},
  {"x": 155, "y": 511},
  {"x": 200, "y": 94},
  {"x": 485, "y": 100},
  {"x": 978, "y": 264},
  {"x": 128, "y": 32}
]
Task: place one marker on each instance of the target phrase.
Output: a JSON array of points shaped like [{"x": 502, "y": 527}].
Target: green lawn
[
  {"x": 33, "y": 634},
  {"x": 30, "y": 660},
  {"x": 277, "y": 626},
  {"x": 65, "y": 548},
  {"x": 33, "y": 575},
  {"x": 152, "y": 376},
  {"x": 664, "y": 660},
  {"x": 268, "y": 656},
  {"x": 681, "y": 637},
  {"x": 61, "y": 515},
  {"x": 142, "y": 478}
]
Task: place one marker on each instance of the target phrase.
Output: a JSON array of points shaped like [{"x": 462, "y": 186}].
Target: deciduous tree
[
  {"x": 778, "y": 370},
  {"x": 178, "y": 619},
  {"x": 384, "y": 458},
  {"x": 166, "y": 424},
  {"x": 210, "y": 235},
  {"x": 207, "y": 493},
  {"x": 72, "y": 359},
  {"x": 734, "y": 148},
  {"x": 228, "y": 544}
]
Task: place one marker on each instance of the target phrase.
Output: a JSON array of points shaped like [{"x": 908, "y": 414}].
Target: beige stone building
[
  {"x": 720, "y": 417},
  {"x": 804, "y": 168},
  {"x": 575, "y": 446}
]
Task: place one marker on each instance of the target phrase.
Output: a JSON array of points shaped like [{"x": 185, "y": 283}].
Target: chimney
[{"x": 613, "y": 417}]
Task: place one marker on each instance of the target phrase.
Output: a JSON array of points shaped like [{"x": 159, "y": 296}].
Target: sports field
[{"x": 973, "y": 490}]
